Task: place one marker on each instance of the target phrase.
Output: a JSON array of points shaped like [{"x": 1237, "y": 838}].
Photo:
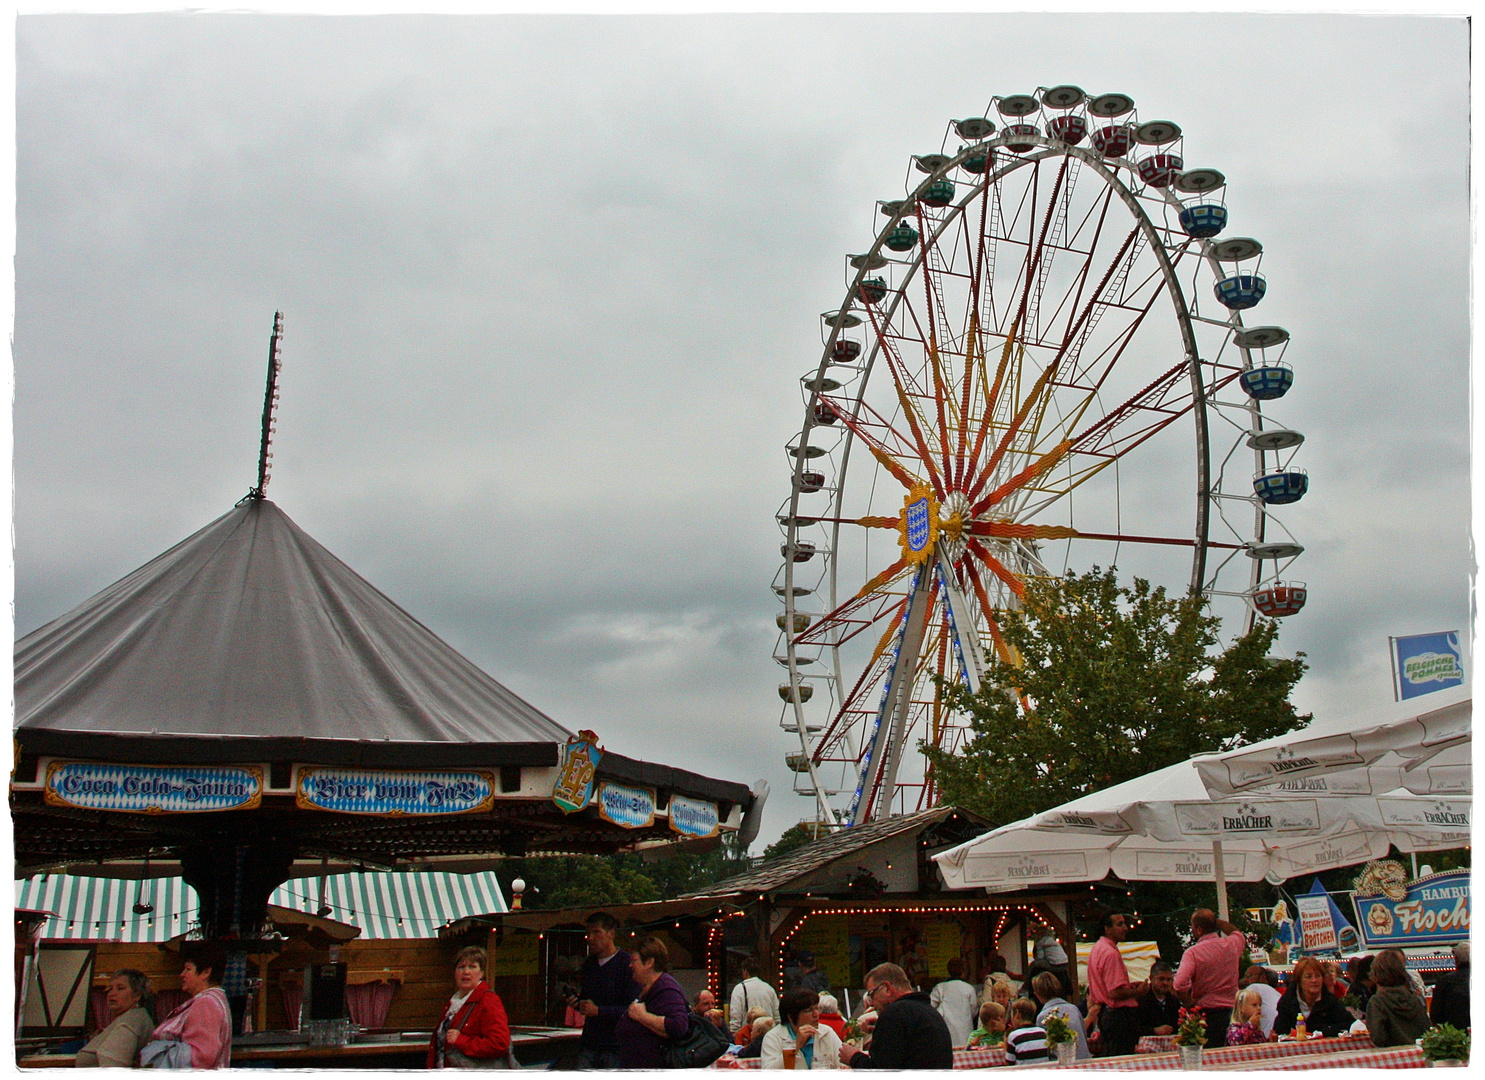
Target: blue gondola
[
  {"x": 1241, "y": 291},
  {"x": 902, "y": 238},
  {"x": 1278, "y": 488},
  {"x": 1267, "y": 383},
  {"x": 978, "y": 161},
  {"x": 939, "y": 193},
  {"x": 1204, "y": 220}
]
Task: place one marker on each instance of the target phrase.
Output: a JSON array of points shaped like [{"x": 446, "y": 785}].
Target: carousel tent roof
[{"x": 250, "y": 638}]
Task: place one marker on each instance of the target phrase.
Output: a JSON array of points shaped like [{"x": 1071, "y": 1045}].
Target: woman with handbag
[
  {"x": 660, "y": 1015},
  {"x": 474, "y": 1033},
  {"x": 197, "y": 1035}
]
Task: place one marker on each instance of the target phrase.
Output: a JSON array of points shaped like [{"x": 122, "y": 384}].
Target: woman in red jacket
[{"x": 473, "y": 1029}]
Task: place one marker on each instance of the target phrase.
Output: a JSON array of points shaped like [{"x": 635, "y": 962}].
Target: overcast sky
[{"x": 549, "y": 284}]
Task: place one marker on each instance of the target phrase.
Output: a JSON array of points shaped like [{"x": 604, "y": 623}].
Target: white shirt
[
  {"x": 826, "y": 1052},
  {"x": 958, "y": 1003},
  {"x": 751, "y": 993},
  {"x": 1270, "y": 998}
]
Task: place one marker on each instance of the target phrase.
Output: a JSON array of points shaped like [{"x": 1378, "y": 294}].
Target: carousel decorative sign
[
  {"x": 693, "y": 817},
  {"x": 153, "y": 789},
  {"x": 629, "y": 807},
  {"x": 395, "y": 792},
  {"x": 575, "y": 777}
]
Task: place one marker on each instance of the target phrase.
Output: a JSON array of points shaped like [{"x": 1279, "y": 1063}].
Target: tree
[
  {"x": 795, "y": 836},
  {"x": 1113, "y": 682},
  {"x": 596, "y": 881},
  {"x": 578, "y": 881}
]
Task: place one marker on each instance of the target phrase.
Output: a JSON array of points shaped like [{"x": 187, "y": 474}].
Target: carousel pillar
[{"x": 234, "y": 882}]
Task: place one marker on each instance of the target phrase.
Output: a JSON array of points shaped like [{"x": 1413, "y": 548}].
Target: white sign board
[{"x": 1317, "y": 930}]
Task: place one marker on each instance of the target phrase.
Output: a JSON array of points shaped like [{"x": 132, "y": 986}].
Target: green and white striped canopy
[{"x": 383, "y": 905}]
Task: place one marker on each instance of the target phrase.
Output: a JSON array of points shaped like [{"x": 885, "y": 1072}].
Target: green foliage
[
  {"x": 1191, "y": 1029},
  {"x": 795, "y": 836},
  {"x": 1114, "y": 682},
  {"x": 597, "y": 881},
  {"x": 1445, "y": 1042},
  {"x": 578, "y": 881},
  {"x": 1057, "y": 1029}
]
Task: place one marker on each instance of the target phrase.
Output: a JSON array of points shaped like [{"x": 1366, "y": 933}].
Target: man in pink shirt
[
  {"x": 1208, "y": 976},
  {"x": 1114, "y": 1000}
]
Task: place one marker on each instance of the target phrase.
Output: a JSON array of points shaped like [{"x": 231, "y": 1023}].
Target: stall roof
[
  {"x": 777, "y": 874},
  {"x": 654, "y": 911},
  {"x": 250, "y": 639}
]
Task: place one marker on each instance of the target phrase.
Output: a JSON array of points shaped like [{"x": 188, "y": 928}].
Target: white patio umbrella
[
  {"x": 1164, "y": 826},
  {"x": 1427, "y": 753}
]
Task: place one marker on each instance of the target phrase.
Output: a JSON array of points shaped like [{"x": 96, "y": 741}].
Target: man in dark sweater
[
  {"x": 1159, "y": 1011},
  {"x": 909, "y": 1032},
  {"x": 607, "y": 989}
]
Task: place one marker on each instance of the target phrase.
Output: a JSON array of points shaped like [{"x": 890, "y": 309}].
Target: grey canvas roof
[{"x": 253, "y": 642}]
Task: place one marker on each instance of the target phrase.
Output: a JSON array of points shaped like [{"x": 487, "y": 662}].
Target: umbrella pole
[{"x": 1221, "y": 880}]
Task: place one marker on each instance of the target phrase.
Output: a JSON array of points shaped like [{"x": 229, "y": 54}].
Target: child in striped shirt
[{"x": 1027, "y": 1041}]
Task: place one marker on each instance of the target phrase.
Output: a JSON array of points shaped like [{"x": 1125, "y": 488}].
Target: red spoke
[{"x": 896, "y": 367}]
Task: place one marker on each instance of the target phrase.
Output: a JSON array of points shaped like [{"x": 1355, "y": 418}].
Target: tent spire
[{"x": 270, "y": 404}]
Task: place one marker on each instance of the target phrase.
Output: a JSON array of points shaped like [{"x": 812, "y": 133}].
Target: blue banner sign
[
  {"x": 395, "y": 792},
  {"x": 629, "y": 807},
  {"x": 1426, "y": 662},
  {"x": 693, "y": 817},
  {"x": 153, "y": 789},
  {"x": 1433, "y": 911}
]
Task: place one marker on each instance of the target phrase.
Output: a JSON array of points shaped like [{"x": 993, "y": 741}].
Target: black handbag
[{"x": 703, "y": 1044}]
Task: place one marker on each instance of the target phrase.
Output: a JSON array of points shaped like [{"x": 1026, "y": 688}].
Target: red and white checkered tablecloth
[
  {"x": 1166, "y": 1044},
  {"x": 1236, "y": 1055},
  {"x": 1155, "y": 1044},
  {"x": 1392, "y": 1057},
  {"x": 978, "y": 1058}
]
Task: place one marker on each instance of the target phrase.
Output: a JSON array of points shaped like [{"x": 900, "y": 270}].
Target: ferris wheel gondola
[{"x": 1025, "y": 374}]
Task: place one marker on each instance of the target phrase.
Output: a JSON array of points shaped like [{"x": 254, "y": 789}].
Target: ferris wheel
[{"x": 1039, "y": 363}]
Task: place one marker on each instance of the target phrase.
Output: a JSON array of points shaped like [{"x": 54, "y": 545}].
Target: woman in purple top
[{"x": 660, "y": 1015}]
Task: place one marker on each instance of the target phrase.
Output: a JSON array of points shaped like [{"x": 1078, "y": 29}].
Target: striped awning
[
  {"x": 383, "y": 905},
  {"x": 395, "y": 905}
]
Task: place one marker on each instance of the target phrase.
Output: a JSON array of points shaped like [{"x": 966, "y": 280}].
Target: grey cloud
[{"x": 551, "y": 281}]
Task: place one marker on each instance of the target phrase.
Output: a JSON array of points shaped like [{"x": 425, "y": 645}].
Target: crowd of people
[{"x": 634, "y": 1011}]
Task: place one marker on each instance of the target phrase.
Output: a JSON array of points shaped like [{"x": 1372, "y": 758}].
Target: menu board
[
  {"x": 944, "y": 941},
  {"x": 518, "y": 954},
  {"x": 828, "y": 937}
]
